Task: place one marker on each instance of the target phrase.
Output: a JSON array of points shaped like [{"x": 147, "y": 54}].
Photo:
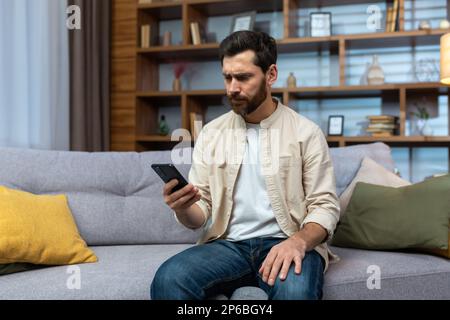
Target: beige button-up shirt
[{"x": 295, "y": 164}]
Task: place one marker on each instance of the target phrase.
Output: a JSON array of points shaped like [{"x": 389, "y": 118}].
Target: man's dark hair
[{"x": 264, "y": 46}]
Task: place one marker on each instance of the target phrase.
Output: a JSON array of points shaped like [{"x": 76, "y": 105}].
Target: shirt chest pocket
[
  {"x": 289, "y": 164},
  {"x": 290, "y": 175}
]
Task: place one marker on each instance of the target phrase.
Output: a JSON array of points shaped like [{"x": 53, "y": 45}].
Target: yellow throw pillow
[{"x": 39, "y": 229}]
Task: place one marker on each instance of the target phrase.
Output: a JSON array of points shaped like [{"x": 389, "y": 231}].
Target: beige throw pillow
[{"x": 373, "y": 173}]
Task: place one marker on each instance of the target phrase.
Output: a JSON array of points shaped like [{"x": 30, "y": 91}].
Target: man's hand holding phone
[
  {"x": 180, "y": 196},
  {"x": 181, "y": 200}
]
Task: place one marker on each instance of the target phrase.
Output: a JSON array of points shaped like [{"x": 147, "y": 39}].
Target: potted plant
[{"x": 421, "y": 126}]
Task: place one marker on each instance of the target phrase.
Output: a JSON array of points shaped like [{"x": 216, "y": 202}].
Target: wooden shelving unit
[{"x": 148, "y": 99}]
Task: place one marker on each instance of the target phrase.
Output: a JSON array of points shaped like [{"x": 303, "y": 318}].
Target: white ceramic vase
[{"x": 375, "y": 75}]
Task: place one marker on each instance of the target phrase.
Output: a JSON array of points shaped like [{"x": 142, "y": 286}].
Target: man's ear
[{"x": 272, "y": 74}]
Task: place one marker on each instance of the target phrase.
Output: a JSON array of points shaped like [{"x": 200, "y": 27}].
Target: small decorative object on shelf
[
  {"x": 163, "y": 128},
  {"x": 424, "y": 25},
  {"x": 243, "y": 21},
  {"x": 420, "y": 125},
  {"x": 320, "y": 24},
  {"x": 375, "y": 75},
  {"x": 167, "y": 38},
  {"x": 426, "y": 70},
  {"x": 291, "y": 81},
  {"x": 336, "y": 125},
  {"x": 146, "y": 34},
  {"x": 444, "y": 24},
  {"x": 178, "y": 69},
  {"x": 382, "y": 125}
]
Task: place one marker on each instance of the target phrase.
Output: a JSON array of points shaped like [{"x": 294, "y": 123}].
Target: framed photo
[
  {"x": 320, "y": 24},
  {"x": 336, "y": 125},
  {"x": 243, "y": 21}
]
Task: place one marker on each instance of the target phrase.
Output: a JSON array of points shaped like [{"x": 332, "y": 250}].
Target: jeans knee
[
  {"x": 168, "y": 281},
  {"x": 291, "y": 291},
  {"x": 307, "y": 285},
  {"x": 171, "y": 282}
]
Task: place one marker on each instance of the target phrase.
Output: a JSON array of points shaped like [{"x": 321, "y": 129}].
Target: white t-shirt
[{"x": 252, "y": 214}]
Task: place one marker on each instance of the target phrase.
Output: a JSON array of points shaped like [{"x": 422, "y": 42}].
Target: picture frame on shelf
[
  {"x": 336, "y": 125},
  {"x": 320, "y": 24},
  {"x": 243, "y": 21}
]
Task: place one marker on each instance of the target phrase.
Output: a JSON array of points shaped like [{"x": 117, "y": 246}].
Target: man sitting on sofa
[{"x": 261, "y": 185}]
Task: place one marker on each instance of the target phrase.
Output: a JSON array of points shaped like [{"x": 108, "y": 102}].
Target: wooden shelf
[
  {"x": 163, "y": 10},
  {"x": 228, "y": 7},
  {"x": 158, "y": 138},
  {"x": 394, "y": 140},
  {"x": 416, "y": 141},
  {"x": 292, "y": 45},
  {"x": 158, "y": 94},
  {"x": 324, "y": 90},
  {"x": 326, "y": 3},
  {"x": 394, "y": 39}
]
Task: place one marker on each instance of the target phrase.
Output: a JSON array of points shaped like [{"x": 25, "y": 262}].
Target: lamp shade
[{"x": 445, "y": 59}]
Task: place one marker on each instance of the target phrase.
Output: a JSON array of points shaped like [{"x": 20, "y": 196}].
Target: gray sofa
[{"x": 117, "y": 204}]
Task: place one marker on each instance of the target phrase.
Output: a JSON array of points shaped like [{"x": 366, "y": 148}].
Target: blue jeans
[{"x": 221, "y": 266}]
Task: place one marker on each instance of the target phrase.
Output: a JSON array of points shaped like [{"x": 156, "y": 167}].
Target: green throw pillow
[
  {"x": 16, "y": 267},
  {"x": 387, "y": 218}
]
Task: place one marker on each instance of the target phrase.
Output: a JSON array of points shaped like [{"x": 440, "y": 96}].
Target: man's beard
[{"x": 243, "y": 106}]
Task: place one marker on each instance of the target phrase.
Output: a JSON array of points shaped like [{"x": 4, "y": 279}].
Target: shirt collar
[{"x": 267, "y": 122}]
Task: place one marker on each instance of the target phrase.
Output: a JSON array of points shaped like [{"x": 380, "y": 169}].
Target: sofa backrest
[
  {"x": 347, "y": 160},
  {"x": 116, "y": 198}
]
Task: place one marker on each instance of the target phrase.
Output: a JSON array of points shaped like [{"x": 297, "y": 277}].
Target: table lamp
[{"x": 445, "y": 59}]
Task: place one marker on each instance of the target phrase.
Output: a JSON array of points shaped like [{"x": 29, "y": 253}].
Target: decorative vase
[
  {"x": 176, "y": 85},
  {"x": 163, "y": 128},
  {"x": 167, "y": 39},
  {"x": 375, "y": 75},
  {"x": 291, "y": 81}
]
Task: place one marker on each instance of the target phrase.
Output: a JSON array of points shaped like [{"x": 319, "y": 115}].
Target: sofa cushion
[
  {"x": 39, "y": 229},
  {"x": 126, "y": 272},
  {"x": 370, "y": 172},
  {"x": 115, "y": 197},
  {"x": 402, "y": 276},
  {"x": 122, "y": 272},
  {"x": 387, "y": 218},
  {"x": 347, "y": 161}
]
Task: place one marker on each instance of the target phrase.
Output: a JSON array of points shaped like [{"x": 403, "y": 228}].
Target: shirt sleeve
[
  {"x": 199, "y": 177},
  {"x": 319, "y": 184}
]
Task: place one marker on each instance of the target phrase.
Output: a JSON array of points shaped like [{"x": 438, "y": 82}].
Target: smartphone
[{"x": 167, "y": 172}]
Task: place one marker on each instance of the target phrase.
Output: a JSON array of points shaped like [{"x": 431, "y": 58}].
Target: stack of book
[
  {"x": 391, "y": 17},
  {"x": 382, "y": 126}
]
